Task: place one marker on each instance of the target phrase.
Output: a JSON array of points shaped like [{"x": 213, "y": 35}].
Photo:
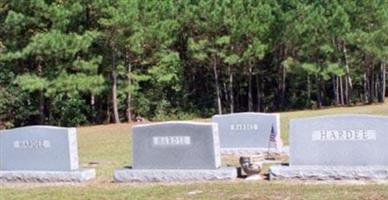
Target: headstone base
[
  {"x": 76, "y": 176},
  {"x": 246, "y": 151},
  {"x": 173, "y": 175},
  {"x": 328, "y": 173}
]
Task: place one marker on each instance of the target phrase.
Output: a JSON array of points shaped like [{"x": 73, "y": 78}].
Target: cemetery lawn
[{"x": 107, "y": 147}]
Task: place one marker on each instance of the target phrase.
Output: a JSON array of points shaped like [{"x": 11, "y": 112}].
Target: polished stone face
[
  {"x": 339, "y": 140},
  {"x": 176, "y": 145},
  {"x": 38, "y": 148},
  {"x": 246, "y": 130}
]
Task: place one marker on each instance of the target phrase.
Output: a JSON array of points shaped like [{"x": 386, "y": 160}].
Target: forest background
[{"x": 79, "y": 62}]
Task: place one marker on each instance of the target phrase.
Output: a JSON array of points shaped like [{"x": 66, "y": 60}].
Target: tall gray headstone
[
  {"x": 40, "y": 153},
  {"x": 248, "y": 132},
  {"x": 175, "y": 145},
  {"x": 175, "y": 151},
  {"x": 337, "y": 147}
]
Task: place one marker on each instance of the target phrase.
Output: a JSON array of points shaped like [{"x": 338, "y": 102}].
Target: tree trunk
[
  {"x": 250, "y": 99},
  {"x": 368, "y": 87},
  {"x": 129, "y": 95},
  {"x": 93, "y": 108},
  {"x": 116, "y": 117},
  {"x": 383, "y": 82},
  {"x": 283, "y": 90},
  {"x": 217, "y": 84},
  {"x": 319, "y": 92},
  {"x": 87, "y": 13},
  {"x": 348, "y": 80},
  {"x": 341, "y": 90},
  {"x": 41, "y": 97},
  {"x": 258, "y": 93},
  {"x": 308, "y": 89},
  {"x": 108, "y": 109},
  {"x": 92, "y": 101},
  {"x": 346, "y": 92},
  {"x": 335, "y": 90},
  {"x": 370, "y": 82},
  {"x": 41, "y": 107},
  {"x": 365, "y": 85},
  {"x": 375, "y": 79},
  {"x": 231, "y": 96},
  {"x": 225, "y": 92}
]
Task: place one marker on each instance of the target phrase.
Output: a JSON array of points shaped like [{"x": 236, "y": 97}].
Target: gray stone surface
[
  {"x": 174, "y": 152},
  {"x": 39, "y": 148},
  {"x": 174, "y": 175},
  {"x": 46, "y": 176},
  {"x": 286, "y": 150},
  {"x": 337, "y": 147},
  {"x": 329, "y": 173},
  {"x": 248, "y": 151},
  {"x": 41, "y": 154},
  {"x": 244, "y": 151},
  {"x": 339, "y": 140},
  {"x": 247, "y": 131},
  {"x": 176, "y": 145}
]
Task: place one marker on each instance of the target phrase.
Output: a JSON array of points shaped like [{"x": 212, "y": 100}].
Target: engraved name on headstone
[
  {"x": 171, "y": 140},
  {"x": 342, "y": 135}
]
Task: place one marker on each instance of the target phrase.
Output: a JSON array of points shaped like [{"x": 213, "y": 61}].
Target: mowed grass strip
[
  {"x": 205, "y": 190},
  {"x": 106, "y": 147}
]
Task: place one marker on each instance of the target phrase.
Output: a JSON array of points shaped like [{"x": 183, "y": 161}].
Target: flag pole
[
  {"x": 268, "y": 150},
  {"x": 269, "y": 142}
]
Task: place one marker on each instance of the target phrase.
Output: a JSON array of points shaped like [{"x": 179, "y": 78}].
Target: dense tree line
[{"x": 99, "y": 61}]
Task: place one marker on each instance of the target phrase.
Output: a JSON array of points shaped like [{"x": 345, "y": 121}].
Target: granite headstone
[
  {"x": 41, "y": 153},
  {"x": 175, "y": 145},
  {"x": 175, "y": 151},
  {"x": 337, "y": 147},
  {"x": 248, "y": 132}
]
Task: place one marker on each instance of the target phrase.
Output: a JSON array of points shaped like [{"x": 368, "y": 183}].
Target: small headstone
[
  {"x": 175, "y": 151},
  {"x": 337, "y": 147},
  {"x": 242, "y": 133},
  {"x": 41, "y": 154}
]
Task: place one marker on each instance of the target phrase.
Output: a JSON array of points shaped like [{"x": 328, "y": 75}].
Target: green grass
[
  {"x": 228, "y": 190},
  {"x": 107, "y": 147}
]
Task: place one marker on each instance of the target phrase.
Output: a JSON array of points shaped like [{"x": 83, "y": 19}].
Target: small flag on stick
[
  {"x": 273, "y": 135},
  {"x": 274, "y": 138}
]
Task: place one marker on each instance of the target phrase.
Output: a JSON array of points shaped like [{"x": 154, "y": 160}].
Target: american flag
[{"x": 272, "y": 136}]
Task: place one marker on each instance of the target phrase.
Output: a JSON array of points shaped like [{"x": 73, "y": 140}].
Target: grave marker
[
  {"x": 337, "y": 147},
  {"x": 42, "y": 154},
  {"x": 175, "y": 151},
  {"x": 248, "y": 132}
]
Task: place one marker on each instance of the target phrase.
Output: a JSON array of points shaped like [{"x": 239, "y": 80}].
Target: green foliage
[
  {"x": 75, "y": 84},
  {"x": 69, "y": 110},
  {"x": 32, "y": 82},
  {"x": 166, "y": 71},
  {"x": 15, "y": 108},
  {"x": 60, "y": 61}
]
